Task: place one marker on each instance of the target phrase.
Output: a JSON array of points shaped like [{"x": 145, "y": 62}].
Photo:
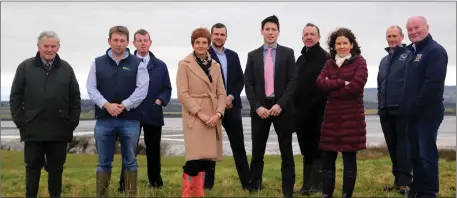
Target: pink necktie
[{"x": 268, "y": 74}]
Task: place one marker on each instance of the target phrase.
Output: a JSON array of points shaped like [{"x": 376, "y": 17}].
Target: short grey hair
[{"x": 48, "y": 34}]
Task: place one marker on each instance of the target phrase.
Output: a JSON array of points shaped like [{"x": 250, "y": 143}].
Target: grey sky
[{"x": 83, "y": 28}]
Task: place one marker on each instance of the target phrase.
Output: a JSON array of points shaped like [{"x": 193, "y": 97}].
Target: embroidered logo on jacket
[
  {"x": 403, "y": 57},
  {"x": 126, "y": 68},
  {"x": 418, "y": 58}
]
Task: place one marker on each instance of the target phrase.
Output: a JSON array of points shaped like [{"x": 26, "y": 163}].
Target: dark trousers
[
  {"x": 51, "y": 156},
  {"x": 308, "y": 133},
  {"x": 422, "y": 134},
  {"x": 349, "y": 172},
  {"x": 234, "y": 128},
  {"x": 260, "y": 132},
  {"x": 152, "y": 136},
  {"x": 394, "y": 128},
  {"x": 193, "y": 167}
]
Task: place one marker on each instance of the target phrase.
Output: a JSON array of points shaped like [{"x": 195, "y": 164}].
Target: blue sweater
[{"x": 424, "y": 80}]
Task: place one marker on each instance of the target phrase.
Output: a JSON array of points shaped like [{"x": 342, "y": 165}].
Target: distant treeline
[{"x": 174, "y": 107}]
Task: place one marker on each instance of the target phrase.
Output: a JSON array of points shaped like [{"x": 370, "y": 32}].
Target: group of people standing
[{"x": 319, "y": 96}]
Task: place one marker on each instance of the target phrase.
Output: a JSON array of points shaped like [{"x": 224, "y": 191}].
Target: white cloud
[{"x": 83, "y": 28}]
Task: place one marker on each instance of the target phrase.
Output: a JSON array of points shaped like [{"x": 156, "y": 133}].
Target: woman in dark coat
[{"x": 343, "y": 129}]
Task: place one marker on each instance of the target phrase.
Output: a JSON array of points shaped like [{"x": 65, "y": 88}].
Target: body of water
[{"x": 172, "y": 133}]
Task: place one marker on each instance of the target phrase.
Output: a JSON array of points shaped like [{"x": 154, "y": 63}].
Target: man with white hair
[
  {"x": 423, "y": 105},
  {"x": 45, "y": 105}
]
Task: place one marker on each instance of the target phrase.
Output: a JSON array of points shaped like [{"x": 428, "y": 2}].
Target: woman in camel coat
[{"x": 202, "y": 95}]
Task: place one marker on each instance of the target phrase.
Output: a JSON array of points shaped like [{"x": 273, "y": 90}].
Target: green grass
[{"x": 374, "y": 172}]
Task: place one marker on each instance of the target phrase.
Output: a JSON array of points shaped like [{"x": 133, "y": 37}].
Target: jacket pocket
[
  {"x": 29, "y": 116},
  {"x": 191, "y": 118},
  {"x": 63, "y": 115}
]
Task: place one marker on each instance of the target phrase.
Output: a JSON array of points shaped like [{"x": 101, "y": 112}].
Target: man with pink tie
[{"x": 270, "y": 81}]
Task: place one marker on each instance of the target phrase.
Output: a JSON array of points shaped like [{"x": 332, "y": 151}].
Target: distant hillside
[{"x": 370, "y": 101}]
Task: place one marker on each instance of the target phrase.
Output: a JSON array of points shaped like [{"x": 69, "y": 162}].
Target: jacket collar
[
  {"x": 39, "y": 62},
  {"x": 399, "y": 49},
  {"x": 192, "y": 64},
  {"x": 421, "y": 44},
  {"x": 312, "y": 49}
]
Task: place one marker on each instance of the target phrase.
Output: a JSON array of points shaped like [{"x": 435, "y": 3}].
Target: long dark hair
[{"x": 346, "y": 33}]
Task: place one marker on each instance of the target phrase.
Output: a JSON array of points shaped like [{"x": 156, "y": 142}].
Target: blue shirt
[
  {"x": 223, "y": 60},
  {"x": 142, "y": 83}
]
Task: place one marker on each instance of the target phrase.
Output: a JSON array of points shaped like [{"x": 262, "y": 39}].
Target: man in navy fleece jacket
[{"x": 423, "y": 105}]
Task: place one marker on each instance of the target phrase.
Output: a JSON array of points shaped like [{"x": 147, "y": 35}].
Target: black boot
[
  {"x": 307, "y": 178},
  {"x": 349, "y": 178},
  {"x": 328, "y": 183}
]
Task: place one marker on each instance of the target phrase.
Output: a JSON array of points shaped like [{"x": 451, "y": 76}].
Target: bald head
[
  {"x": 394, "y": 36},
  {"x": 418, "y": 28}
]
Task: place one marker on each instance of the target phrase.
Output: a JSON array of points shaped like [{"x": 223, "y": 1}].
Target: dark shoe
[
  {"x": 307, "y": 177},
  {"x": 131, "y": 180},
  {"x": 102, "y": 183},
  {"x": 255, "y": 186}
]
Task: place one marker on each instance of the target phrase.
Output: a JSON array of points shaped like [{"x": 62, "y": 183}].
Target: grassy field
[{"x": 79, "y": 176}]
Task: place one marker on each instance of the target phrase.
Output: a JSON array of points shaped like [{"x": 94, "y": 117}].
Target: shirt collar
[
  {"x": 145, "y": 59},
  {"x": 265, "y": 46},
  {"x": 217, "y": 52},
  {"x": 44, "y": 61},
  {"x": 110, "y": 54}
]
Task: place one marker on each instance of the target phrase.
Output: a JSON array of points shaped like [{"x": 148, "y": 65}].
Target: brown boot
[
  {"x": 102, "y": 183},
  {"x": 130, "y": 183}
]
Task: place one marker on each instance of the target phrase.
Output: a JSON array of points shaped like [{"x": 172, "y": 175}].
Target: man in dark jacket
[
  {"x": 117, "y": 83},
  {"x": 390, "y": 89},
  {"x": 310, "y": 105},
  {"x": 159, "y": 93},
  {"x": 423, "y": 105},
  {"x": 232, "y": 75},
  {"x": 45, "y": 105}
]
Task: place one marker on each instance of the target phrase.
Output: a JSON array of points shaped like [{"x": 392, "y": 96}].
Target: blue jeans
[
  {"x": 423, "y": 151},
  {"x": 106, "y": 132}
]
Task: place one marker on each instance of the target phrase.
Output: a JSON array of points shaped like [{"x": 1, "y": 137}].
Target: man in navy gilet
[
  {"x": 159, "y": 94},
  {"x": 117, "y": 83},
  {"x": 390, "y": 89},
  {"x": 423, "y": 105}
]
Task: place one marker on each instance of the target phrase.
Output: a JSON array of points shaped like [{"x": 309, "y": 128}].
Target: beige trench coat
[{"x": 196, "y": 93}]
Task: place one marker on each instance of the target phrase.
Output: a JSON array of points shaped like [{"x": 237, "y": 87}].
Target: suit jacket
[
  {"x": 159, "y": 88},
  {"x": 284, "y": 83},
  {"x": 235, "y": 81}
]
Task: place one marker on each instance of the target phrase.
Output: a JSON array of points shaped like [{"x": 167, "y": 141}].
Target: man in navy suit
[
  {"x": 158, "y": 96},
  {"x": 234, "y": 82}
]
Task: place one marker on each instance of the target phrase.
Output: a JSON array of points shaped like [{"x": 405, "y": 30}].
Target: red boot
[
  {"x": 198, "y": 184},
  {"x": 187, "y": 187}
]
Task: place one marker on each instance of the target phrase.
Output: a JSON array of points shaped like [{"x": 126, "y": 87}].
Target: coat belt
[{"x": 213, "y": 101}]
